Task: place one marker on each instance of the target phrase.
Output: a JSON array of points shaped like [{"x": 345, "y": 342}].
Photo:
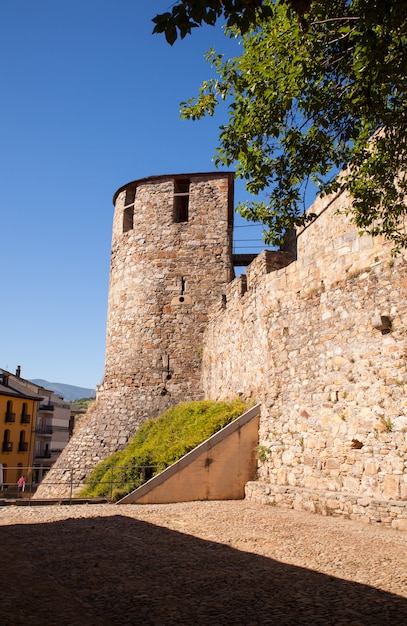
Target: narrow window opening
[
  {"x": 25, "y": 417},
  {"x": 166, "y": 366},
  {"x": 128, "y": 210},
  {"x": 22, "y": 443},
  {"x": 10, "y": 416},
  {"x": 181, "y": 200},
  {"x": 128, "y": 215},
  {"x": 7, "y": 444},
  {"x": 181, "y": 297}
]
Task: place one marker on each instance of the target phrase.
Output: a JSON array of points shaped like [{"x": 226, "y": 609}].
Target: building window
[
  {"x": 22, "y": 443},
  {"x": 181, "y": 199},
  {"x": 4, "y": 379},
  {"x": 7, "y": 444},
  {"x": 25, "y": 417},
  {"x": 10, "y": 416},
  {"x": 128, "y": 210}
]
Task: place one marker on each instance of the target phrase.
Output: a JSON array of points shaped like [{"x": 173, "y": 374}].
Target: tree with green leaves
[
  {"x": 320, "y": 87},
  {"x": 186, "y": 15}
]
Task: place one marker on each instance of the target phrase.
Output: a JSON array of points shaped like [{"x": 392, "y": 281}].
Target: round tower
[{"x": 171, "y": 261}]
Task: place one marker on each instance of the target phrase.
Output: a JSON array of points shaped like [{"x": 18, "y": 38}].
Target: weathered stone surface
[
  {"x": 302, "y": 339},
  {"x": 167, "y": 270}
]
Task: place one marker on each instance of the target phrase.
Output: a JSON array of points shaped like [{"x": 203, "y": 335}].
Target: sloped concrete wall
[{"x": 218, "y": 469}]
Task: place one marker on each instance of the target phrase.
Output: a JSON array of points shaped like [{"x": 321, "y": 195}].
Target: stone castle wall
[
  {"x": 320, "y": 342},
  {"x": 171, "y": 260},
  {"x": 312, "y": 343}
]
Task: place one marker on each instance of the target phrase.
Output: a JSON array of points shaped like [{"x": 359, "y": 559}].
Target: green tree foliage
[
  {"x": 319, "y": 87},
  {"x": 158, "y": 443},
  {"x": 188, "y": 14}
]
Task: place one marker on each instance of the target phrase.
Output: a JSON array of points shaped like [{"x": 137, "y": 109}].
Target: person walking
[{"x": 21, "y": 483}]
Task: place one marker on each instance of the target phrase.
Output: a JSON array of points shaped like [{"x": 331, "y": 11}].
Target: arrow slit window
[
  {"x": 181, "y": 200},
  {"x": 128, "y": 210}
]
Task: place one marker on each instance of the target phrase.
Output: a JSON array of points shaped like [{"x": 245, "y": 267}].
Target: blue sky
[{"x": 90, "y": 100}]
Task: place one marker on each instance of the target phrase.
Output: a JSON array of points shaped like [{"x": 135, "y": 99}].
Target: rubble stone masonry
[
  {"x": 320, "y": 342},
  {"x": 171, "y": 260},
  {"x": 322, "y": 345}
]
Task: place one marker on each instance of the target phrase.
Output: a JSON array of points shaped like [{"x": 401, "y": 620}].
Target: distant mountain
[{"x": 68, "y": 392}]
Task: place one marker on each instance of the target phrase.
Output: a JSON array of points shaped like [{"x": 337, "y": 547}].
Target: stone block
[
  {"x": 371, "y": 467},
  {"x": 391, "y": 487},
  {"x": 400, "y": 524}
]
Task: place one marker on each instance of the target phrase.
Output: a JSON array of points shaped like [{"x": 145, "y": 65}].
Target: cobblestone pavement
[{"x": 199, "y": 563}]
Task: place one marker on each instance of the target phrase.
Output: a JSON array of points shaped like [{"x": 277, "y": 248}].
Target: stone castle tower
[{"x": 171, "y": 261}]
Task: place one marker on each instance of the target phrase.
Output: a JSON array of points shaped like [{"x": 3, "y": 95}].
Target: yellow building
[{"x": 18, "y": 413}]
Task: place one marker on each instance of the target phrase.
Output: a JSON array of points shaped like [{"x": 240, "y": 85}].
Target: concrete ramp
[{"x": 217, "y": 469}]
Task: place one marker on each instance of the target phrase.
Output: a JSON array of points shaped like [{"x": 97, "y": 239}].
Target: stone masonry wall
[
  {"x": 319, "y": 342},
  {"x": 167, "y": 269},
  {"x": 312, "y": 343}
]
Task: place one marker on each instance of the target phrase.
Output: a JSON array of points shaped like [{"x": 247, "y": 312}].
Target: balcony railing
[
  {"x": 10, "y": 417},
  {"x": 25, "y": 419},
  {"x": 44, "y": 454},
  {"x": 44, "y": 430},
  {"x": 7, "y": 446},
  {"x": 46, "y": 407},
  {"x": 23, "y": 446}
]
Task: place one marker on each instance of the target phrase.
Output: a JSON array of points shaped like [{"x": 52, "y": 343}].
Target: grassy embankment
[{"x": 158, "y": 443}]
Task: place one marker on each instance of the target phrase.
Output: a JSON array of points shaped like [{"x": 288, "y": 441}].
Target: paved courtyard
[{"x": 200, "y": 563}]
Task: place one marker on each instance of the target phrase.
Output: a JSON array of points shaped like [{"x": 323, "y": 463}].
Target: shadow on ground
[{"x": 118, "y": 571}]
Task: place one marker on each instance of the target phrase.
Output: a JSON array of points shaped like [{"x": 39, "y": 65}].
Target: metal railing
[
  {"x": 69, "y": 483},
  {"x": 43, "y": 454},
  {"x": 44, "y": 430}
]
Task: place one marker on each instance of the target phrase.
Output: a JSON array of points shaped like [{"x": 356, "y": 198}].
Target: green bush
[{"x": 158, "y": 443}]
